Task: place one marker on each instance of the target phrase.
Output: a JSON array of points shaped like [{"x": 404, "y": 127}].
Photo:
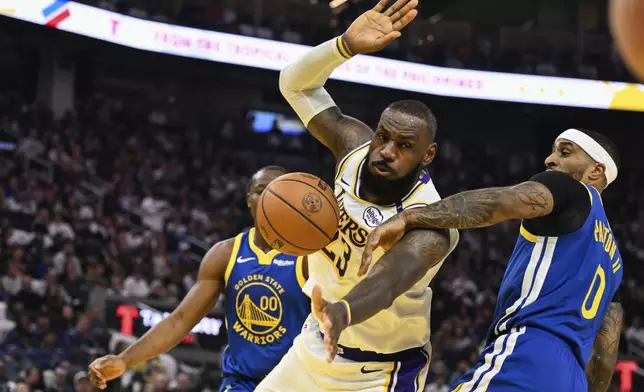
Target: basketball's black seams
[
  {"x": 276, "y": 232},
  {"x": 318, "y": 191},
  {"x": 296, "y": 210}
]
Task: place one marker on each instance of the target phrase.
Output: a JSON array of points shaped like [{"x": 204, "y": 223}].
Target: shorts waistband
[{"x": 358, "y": 355}]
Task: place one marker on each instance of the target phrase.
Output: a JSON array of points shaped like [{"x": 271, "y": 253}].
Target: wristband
[
  {"x": 347, "y": 308},
  {"x": 343, "y": 48}
]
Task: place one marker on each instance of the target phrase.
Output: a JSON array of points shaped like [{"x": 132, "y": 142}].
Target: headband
[{"x": 594, "y": 149}]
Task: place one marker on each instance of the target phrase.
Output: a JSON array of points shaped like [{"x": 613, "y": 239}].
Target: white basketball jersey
[{"x": 405, "y": 324}]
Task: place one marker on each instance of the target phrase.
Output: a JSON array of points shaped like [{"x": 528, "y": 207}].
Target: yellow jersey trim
[
  {"x": 233, "y": 256},
  {"x": 299, "y": 271},
  {"x": 598, "y": 194},
  {"x": 527, "y": 235},
  {"x": 590, "y": 194},
  {"x": 390, "y": 376},
  {"x": 344, "y": 160},
  {"x": 262, "y": 258}
]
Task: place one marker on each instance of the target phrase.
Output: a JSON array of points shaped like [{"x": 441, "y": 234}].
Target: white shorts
[{"x": 304, "y": 368}]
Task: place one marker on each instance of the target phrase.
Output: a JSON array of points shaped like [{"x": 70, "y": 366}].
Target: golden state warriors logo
[{"x": 258, "y": 305}]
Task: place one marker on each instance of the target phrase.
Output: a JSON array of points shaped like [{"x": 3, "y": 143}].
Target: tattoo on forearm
[
  {"x": 603, "y": 360},
  {"x": 396, "y": 272},
  {"x": 483, "y": 207}
]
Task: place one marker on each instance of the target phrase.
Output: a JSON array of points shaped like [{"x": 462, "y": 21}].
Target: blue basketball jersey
[
  {"x": 265, "y": 308},
  {"x": 562, "y": 285}
]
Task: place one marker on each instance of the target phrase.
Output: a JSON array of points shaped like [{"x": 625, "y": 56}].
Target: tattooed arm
[
  {"x": 482, "y": 207},
  {"x": 389, "y": 278},
  {"x": 603, "y": 358}
]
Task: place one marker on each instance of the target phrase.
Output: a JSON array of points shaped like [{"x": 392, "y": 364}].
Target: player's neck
[{"x": 259, "y": 242}]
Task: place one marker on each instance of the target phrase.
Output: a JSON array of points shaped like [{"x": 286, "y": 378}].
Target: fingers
[
  {"x": 404, "y": 16},
  {"x": 367, "y": 253},
  {"x": 381, "y": 5},
  {"x": 97, "y": 378},
  {"x": 318, "y": 302},
  {"x": 330, "y": 340},
  {"x": 395, "y": 7}
]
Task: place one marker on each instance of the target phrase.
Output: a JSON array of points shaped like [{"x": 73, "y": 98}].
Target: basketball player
[
  {"x": 377, "y": 175},
  {"x": 265, "y": 306},
  {"x": 554, "y": 315}
]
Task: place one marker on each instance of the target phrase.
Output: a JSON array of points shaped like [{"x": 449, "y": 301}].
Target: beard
[{"x": 385, "y": 191}]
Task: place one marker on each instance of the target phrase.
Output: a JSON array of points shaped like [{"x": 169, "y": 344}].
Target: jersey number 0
[{"x": 589, "y": 311}]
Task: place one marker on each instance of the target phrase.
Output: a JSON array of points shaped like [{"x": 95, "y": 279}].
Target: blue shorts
[
  {"x": 526, "y": 360},
  {"x": 232, "y": 384}
]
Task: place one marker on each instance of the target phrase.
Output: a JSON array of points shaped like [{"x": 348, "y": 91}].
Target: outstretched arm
[
  {"x": 479, "y": 208},
  {"x": 388, "y": 279},
  {"x": 603, "y": 359},
  {"x": 551, "y": 193},
  {"x": 197, "y": 303},
  {"x": 482, "y": 207},
  {"x": 170, "y": 331},
  {"x": 302, "y": 82}
]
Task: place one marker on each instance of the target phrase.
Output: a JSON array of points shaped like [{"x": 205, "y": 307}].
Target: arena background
[{"x": 121, "y": 166}]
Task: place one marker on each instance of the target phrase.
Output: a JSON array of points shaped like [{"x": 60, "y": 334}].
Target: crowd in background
[
  {"x": 64, "y": 248},
  {"x": 121, "y": 197}
]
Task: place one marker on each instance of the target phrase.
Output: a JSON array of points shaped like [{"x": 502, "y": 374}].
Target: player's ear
[
  {"x": 430, "y": 154},
  {"x": 596, "y": 172}
]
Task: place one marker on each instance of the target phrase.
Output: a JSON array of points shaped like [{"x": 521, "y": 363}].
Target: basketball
[
  {"x": 297, "y": 214},
  {"x": 626, "y": 18}
]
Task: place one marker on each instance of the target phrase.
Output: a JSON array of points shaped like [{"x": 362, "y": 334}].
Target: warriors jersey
[
  {"x": 564, "y": 284},
  {"x": 335, "y": 268},
  {"x": 265, "y": 308},
  {"x": 554, "y": 295}
]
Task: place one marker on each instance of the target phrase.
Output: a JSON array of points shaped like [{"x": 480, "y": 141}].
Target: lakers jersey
[
  {"x": 335, "y": 268},
  {"x": 562, "y": 285},
  {"x": 265, "y": 308}
]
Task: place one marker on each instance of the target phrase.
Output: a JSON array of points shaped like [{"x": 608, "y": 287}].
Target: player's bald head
[
  {"x": 266, "y": 174},
  {"x": 412, "y": 114}
]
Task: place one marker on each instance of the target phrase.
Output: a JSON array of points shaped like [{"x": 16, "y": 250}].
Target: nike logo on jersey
[
  {"x": 365, "y": 371},
  {"x": 240, "y": 260}
]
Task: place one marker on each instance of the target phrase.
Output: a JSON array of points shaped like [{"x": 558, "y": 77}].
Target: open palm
[{"x": 378, "y": 27}]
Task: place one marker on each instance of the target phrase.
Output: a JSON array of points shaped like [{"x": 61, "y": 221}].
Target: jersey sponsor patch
[
  {"x": 372, "y": 216},
  {"x": 283, "y": 263}
]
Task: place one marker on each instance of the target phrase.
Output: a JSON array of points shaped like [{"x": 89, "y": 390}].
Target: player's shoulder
[
  {"x": 216, "y": 261},
  {"x": 423, "y": 193},
  {"x": 352, "y": 159},
  {"x": 564, "y": 188},
  {"x": 556, "y": 177}
]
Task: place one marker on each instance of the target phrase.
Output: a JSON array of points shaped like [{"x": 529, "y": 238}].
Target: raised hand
[
  {"x": 106, "y": 368},
  {"x": 385, "y": 237},
  {"x": 378, "y": 27}
]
